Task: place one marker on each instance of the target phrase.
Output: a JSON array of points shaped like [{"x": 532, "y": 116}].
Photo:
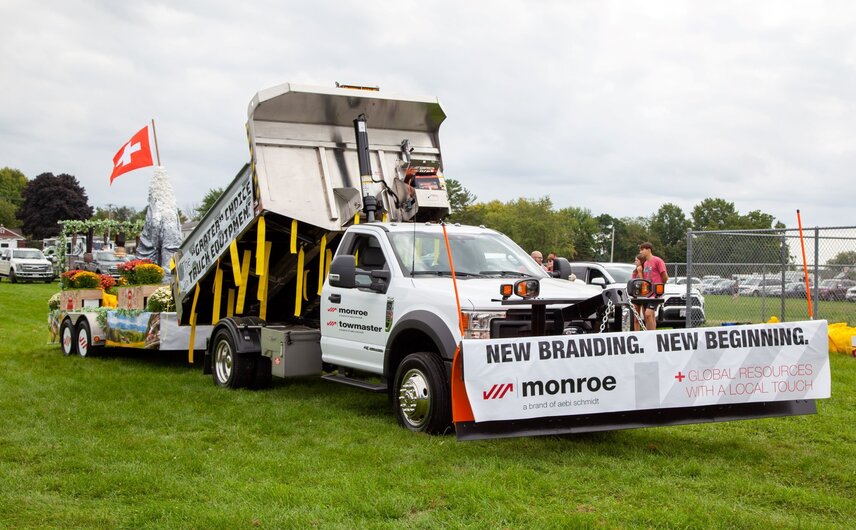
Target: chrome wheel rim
[
  {"x": 414, "y": 398},
  {"x": 223, "y": 361}
]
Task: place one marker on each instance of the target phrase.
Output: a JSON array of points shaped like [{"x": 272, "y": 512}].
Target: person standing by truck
[
  {"x": 653, "y": 270},
  {"x": 638, "y": 273}
]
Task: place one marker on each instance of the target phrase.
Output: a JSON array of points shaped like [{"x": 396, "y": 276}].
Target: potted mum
[{"x": 139, "y": 278}]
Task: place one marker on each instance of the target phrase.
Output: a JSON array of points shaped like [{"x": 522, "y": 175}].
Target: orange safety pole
[
  {"x": 805, "y": 268},
  {"x": 461, "y": 408}
]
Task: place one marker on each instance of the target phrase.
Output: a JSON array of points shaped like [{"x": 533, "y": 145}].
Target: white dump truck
[{"x": 327, "y": 255}]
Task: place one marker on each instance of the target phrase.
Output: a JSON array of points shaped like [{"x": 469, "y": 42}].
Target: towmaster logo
[
  {"x": 498, "y": 391},
  {"x": 331, "y": 322}
]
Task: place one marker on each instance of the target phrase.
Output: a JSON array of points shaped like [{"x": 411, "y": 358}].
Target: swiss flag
[{"x": 133, "y": 155}]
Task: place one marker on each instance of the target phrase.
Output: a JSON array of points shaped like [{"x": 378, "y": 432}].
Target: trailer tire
[
  {"x": 67, "y": 337},
  {"x": 84, "y": 339},
  {"x": 421, "y": 397},
  {"x": 229, "y": 368}
]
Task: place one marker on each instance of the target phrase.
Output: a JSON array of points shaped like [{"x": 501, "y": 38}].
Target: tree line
[
  {"x": 577, "y": 234},
  {"x": 535, "y": 224}
]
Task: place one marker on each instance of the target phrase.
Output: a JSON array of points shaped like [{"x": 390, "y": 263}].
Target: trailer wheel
[
  {"x": 421, "y": 397},
  {"x": 84, "y": 339},
  {"x": 67, "y": 338},
  {"x": 231, "y": 370}
]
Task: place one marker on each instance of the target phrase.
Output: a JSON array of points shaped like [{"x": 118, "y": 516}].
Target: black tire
[
  {"x": 421, "y": 396},
  {"x": 84, "y": 339},
  {"x": 12, "y": 277},
  {"x": 228, "y": 368},
  {"x": 67, "y": 337}
]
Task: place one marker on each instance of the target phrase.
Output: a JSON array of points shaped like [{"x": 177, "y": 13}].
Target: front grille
[{"x": 680, "y": 302}]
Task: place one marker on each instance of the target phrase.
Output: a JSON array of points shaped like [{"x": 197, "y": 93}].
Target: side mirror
[
  {"x": 380, "y": 280},
  {"x": 562, "y": 268},
  {"x": 343, "y": 272},
  {"x": 599, "y": 281}
]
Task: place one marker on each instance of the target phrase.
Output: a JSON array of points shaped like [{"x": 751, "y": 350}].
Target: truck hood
[
  {"x": 25, "y": 261},
  {"x": 481, "y": 293}
]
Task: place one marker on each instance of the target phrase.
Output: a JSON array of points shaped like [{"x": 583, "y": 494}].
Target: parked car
[
  {"x": 835, "y": 289},
  {"x": 723, "y": 286},
  {"x": 682, "y": 280},
  {"x": 795, "y": 290},
  {"x": 104, "y": 262},
  {"x": 851, "y": 294},
  {"x": 672, "y": 312},
  {"x": 757, "y": 286},
  {"x": 25, "y": 264}
]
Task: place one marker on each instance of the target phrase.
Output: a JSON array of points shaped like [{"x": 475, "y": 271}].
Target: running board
[{"x": 358, "y": 383}]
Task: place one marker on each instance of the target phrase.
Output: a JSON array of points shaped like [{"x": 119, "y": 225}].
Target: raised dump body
[{"x": 305, "y": 181}]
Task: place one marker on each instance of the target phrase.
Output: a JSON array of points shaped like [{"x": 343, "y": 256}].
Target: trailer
[{"x": 327, "y": 255}]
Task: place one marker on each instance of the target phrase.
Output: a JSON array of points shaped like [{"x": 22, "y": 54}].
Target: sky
[{"x": 616, "y": 107}]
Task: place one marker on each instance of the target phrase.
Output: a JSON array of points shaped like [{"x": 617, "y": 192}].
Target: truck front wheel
[
  {"x": 421, "y": 396},
  {"x": 230, "y": 370}
]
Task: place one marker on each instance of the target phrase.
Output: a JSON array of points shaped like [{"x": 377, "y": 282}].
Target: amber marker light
[{"x": 506, "y": 290}]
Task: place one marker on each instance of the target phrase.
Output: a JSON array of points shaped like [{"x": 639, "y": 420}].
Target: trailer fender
[
  {"x": 418, "y": 331},
  {"x": 245, "y": 333}
]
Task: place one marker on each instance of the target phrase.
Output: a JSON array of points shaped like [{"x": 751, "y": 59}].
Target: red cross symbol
[{"x": 680, "y": 377}]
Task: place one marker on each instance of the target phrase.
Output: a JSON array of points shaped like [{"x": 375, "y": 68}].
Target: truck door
[{"x": 353, "y": 320}]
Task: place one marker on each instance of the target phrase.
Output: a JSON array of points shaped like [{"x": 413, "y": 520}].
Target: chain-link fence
[{"x": 749, "y": 276}]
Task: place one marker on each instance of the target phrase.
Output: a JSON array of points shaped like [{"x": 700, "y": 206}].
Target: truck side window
[{"x": 369, "y": 255}]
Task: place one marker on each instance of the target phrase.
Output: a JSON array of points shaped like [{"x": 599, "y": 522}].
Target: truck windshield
[
  {"x": 423, "y": 253},
  {"x": 107, "y": 256},
  {"x": 29, "y": 253}
]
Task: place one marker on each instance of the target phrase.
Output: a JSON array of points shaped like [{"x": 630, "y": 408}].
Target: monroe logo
[
  {"x": 498, "y": 391},
  {"x": 361, "y": 327},
  {"x": 347, "y": 311},
  {"x": 331, "y": 309},
  {"x": 331, "y": 322},
  {"x": 571, "y": 385}
]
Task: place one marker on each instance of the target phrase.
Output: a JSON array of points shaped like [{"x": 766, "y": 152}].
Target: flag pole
[{"x": 155, "y": 134}]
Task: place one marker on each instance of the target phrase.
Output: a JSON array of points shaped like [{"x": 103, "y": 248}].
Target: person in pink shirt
[{"x": 654, "y": 270}]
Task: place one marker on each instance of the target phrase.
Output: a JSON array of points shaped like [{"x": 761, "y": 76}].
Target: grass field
[
  {"x": 724, "y": 308},
  {"x": 138, "y": 440}
]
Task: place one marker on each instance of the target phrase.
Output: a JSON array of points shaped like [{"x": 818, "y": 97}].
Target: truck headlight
[{"x": 477, "y": 323}]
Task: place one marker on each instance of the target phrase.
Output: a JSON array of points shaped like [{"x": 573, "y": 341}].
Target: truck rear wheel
[
  {"x": 421, "y": 397},
  {"x": 67, "y": 337},
  {"x": 84, "y": 339},
  {"x": 231, "y": 369}
]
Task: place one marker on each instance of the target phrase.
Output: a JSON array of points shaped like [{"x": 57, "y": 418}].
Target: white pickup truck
[{"x": 25, "y": 264}]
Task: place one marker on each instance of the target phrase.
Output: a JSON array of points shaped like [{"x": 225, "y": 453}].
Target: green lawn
[
  {"x": 724, "y": 308},
  {"x": 136, "y": 440}
]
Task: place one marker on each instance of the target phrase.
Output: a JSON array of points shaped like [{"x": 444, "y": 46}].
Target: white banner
[
  {"x": 229, "y": 216},
  {"x": 509, "y": 379}
]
